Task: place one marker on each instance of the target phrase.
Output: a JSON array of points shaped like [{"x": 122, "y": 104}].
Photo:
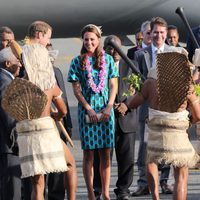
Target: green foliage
[
  {"x": 197, "y": 89},
  {"x": 134, "y": 82}
]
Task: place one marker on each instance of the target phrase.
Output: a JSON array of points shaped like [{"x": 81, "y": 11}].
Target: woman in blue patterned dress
[{"x": 94, "y": 79}]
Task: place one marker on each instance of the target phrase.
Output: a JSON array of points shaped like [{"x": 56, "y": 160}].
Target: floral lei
[{"x": 102, "y": 74}]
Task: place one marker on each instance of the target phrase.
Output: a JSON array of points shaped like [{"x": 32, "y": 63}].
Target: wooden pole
[{"x": 64, "y": 130}]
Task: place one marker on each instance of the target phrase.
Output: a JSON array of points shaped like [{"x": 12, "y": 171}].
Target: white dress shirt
[{"x": 156, "y": 50}]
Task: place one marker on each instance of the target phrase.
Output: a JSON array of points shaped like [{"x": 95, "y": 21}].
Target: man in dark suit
[
  {"x": 56, "y": 190},
  {"x": 10, "y": 172},
  {"x": 6, "y": 37},
  {"x": 146, "y": 59},
  {"x": 126, "y": 126},
  {"x": 190, "y": 45},
  {"x": 138, "y": 40}
]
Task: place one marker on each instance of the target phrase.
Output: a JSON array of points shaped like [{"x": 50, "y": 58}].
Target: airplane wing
[{"x": 67, "y": 17}]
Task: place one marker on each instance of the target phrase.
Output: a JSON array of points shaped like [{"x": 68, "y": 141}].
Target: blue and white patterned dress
[{"x": 101, "y": 134}]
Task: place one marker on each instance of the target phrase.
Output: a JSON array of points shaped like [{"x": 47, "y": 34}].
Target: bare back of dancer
[{"x": 149, "y": 92}]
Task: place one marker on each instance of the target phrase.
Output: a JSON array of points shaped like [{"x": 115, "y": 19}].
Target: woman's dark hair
[{"x": 98, "y": 51}]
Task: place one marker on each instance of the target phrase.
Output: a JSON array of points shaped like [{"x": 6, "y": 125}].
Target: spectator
[
  {"x": 138, "y": 39},
  {"x": 173, "y": 36},
  {"x": 10, "y": 172},
  {"x": 6, "y": 36},
  {"x": 190, "y": 45}
]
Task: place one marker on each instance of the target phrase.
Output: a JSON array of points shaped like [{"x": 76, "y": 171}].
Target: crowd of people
[{"x": 108, "y": 119}]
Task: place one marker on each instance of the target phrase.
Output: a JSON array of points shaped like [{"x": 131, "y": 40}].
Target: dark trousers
[
  {"x": 55, "y": 181},
  {"x": 56, "y": 190},
  {"x": 26, "y": 188},
  {"x": 124, "y": 149},
  {"x": 165, "y": 170},
  {"x": 10, "y": 173}
]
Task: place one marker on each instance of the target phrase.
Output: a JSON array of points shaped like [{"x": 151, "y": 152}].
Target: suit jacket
[
  {"x": 67, "y": 119},
  {"x": 127, "y": 123},
  {"x": 7, "y": 141},
  {"x": 144, "y": 60},
  {"x": 131, "y": 52},
  {"x": 190, "y": 45}
]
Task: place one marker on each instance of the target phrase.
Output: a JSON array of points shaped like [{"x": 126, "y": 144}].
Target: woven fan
[
  {"x": 16, "y": 49},
  {"x": 24, "y": 100},
  {"x": 174, "y": 78}
]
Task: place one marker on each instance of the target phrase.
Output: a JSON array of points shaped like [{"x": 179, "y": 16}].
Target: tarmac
[{"x": 193, "y": 182}]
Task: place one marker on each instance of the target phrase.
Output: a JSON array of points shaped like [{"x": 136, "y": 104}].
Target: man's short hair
[
  {"x": 172, "y": 27},
  {"x": 5, "y": 29},
  {"x": 144, "y": 25},
  {"x": 38, "y": 26},
  {"x": 159, "y": 21},
  {"x": 6, "y": 54}
]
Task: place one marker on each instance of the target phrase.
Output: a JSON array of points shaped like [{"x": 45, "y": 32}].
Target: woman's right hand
[{"x": 92, "y": 115}]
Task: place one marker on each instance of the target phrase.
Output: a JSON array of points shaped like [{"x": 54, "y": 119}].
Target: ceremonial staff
[
  {"x": 64, "y": 130},
  {"x": 112, "y": 43},
  {"x": 180, "y": 12}
]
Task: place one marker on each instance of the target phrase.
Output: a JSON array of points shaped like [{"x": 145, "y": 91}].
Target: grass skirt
[
  {"x": 40, "y": 147},
  {"x": 168, "y": 140}
]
